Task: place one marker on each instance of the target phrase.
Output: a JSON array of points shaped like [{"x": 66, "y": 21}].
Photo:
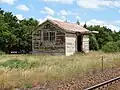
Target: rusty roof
[{"x": 69, "y": 27}]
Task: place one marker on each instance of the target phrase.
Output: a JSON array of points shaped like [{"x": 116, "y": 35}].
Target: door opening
[{"x": 79, "y": 43}]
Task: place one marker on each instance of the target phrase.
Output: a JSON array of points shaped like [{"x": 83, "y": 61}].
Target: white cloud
[
  {"x": 63, "y": 18},
  {"x": 22, "y": 7},
  {"x": 113, "y": 27},
  {"x": 47, "y": 10},
  {"x": 97, "y": 3},
  {"x": 49, "y": 17},
  {"x": 96, "y": 22},
  {"x": 78, "y": 18},
  {"x": 88, "y": 4},
  {"x": 68, "y": 12},
  {"x": 117, "y": 22},
  {"x": 61, "y": 1},
  {"x": 103, "y": 23},
  {"x": 7, "y": 1},
  {"x": 90, "y": 22},
  {"x": 19, "y": 16},
  {"x": 64, "y": 12},
  {"x": 53, "y": 18}
]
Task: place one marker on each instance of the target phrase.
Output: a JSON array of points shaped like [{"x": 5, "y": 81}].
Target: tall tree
[
  {"x": 15, "y": 34},
  {"x": 7, "y": 38},
  {"x": 104, "y": 35},
  {"x": 85, "y": 25},
  {"x": 93, "y": 43},
  {"x": 78, "y": 22},
  {"x": 24, "y": 35}
]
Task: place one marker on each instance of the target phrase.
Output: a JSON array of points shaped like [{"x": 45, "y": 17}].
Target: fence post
[{"x": 102, "y": 64}]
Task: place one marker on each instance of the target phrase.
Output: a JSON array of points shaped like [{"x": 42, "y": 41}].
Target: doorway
[{"x": 79, "y": 43}]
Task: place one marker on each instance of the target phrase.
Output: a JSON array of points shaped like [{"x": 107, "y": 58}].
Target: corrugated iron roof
[{"x": 70, "y": 27}]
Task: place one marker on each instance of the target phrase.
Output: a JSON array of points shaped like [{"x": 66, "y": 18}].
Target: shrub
[
  {"x": 27, "y": 86},
  {"x": 1, "y": 52},
  {"x": 110, "y": 47},
  {"x": 118, "y": 44}
]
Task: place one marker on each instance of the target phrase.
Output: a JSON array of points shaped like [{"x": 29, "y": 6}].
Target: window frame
[{"x": 49, "y": 36}]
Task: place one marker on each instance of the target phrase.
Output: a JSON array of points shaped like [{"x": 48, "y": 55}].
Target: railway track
[{"x": 104, "y": 84}]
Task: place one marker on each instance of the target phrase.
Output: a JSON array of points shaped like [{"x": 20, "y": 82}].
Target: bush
[
  {"x": 110, "y": 47},
  {"x": 1, "y": 52},
  {"x": 118, "y": 44}
]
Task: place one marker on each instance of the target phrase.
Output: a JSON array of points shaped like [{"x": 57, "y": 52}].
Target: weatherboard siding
[
  {"x": 70, "y": 48},
  {"x": 48, "y": 47},
  {"x": 65, "y": 43},
  {"x": 85, "y": 43}
]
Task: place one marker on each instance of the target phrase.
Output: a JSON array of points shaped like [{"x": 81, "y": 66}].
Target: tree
[
  {"x": 25, "y": 34},
  {"x": 85, "y": 25},
  {"x": 15, "y": 34},
  {"x": 118, "y": 44},
  {"x": 78, "y": 22},
  {"x": 110, "y": 47},
  {"x": 93, "y": 43},
  {"x": 7, "y": 38},
  {"x": 1, "y": 11},
  {"x": 116, "y": 36},
  {"x": 104, "y": 35}
]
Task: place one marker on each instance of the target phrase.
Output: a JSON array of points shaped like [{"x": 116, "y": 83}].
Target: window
[
  {"x": 52, "y": 36},
  {"x": 37, "y": 33},
  {"x": 49, "y": 36},
  {"x": 45, "y": 36}
]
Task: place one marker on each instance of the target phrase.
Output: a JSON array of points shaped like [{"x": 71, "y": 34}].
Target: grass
[
  {"x": 21, "y": 64},
  {"x": 26, "y": 70}
]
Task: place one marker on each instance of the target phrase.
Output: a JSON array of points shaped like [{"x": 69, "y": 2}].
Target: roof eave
[{"x": 93, "y": 32}]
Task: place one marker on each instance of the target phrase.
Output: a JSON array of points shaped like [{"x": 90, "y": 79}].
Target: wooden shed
[{"x": 60, "y": 38}]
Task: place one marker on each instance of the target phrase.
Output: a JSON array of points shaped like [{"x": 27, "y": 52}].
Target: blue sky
[{"x": 94, "y": 12}]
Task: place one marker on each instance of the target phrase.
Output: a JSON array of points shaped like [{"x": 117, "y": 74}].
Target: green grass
[
  {"x": 14, "y": 63},
  {"x": 26, "y": 70}
]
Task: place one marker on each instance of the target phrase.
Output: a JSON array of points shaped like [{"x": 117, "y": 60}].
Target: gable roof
[{"x": 69, "y": 27}]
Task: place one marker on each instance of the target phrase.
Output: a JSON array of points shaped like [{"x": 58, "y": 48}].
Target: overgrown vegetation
[
  {"x": 15, "y": 35},
  {"x": 110, "y": 47},
  {"x": 18, "y": 64},
  {"x": 105, "y": 40},
  {"x": 25, "y": 70}
]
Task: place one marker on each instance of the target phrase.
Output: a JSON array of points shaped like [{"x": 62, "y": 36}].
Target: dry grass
[{"x": 53, "y": 67}]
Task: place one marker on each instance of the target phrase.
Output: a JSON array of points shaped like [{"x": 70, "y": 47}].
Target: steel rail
[{"x": 103, "y": 84}]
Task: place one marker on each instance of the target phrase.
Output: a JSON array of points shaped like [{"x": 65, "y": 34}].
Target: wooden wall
[
  {"x": 39, "y": 45},
  {"x": 70, "y": 44},
  {"x": 85, "y": 43},
  {"x": 64, "y": 43}
]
